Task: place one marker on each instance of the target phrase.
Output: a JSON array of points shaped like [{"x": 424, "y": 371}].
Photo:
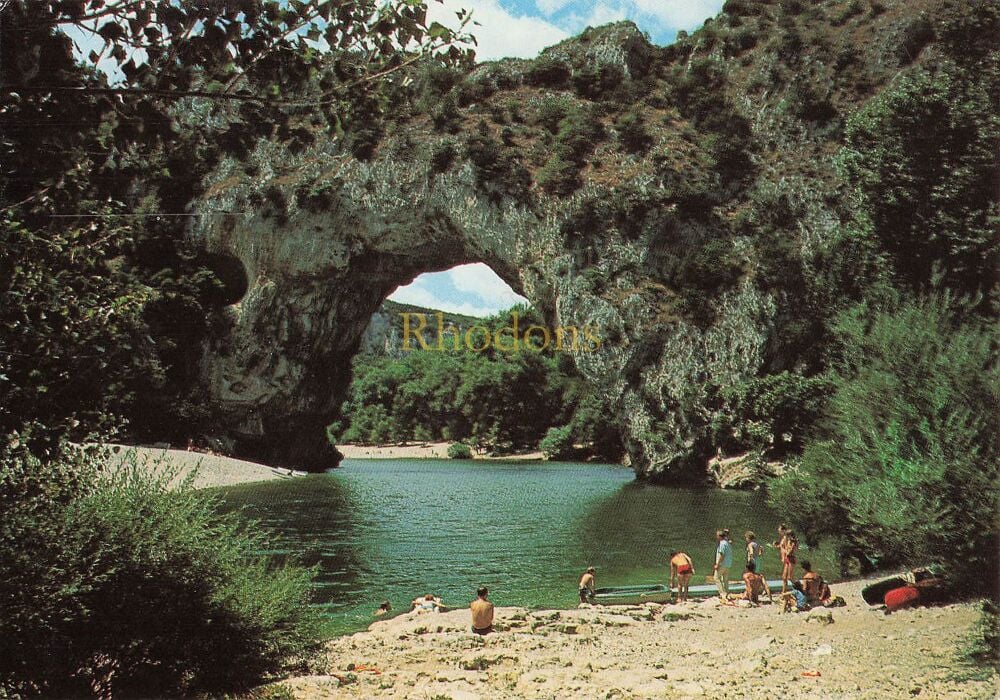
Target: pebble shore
[{"x": 694, "y": 650}]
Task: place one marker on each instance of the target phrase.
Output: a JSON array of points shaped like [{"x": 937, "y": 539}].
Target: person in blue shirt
[
  {"x": 723, "y": 562},
  {"x": 795, "y": 600}
]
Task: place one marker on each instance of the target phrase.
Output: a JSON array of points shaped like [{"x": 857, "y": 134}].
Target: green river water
[{"x": 395, "y": 529}]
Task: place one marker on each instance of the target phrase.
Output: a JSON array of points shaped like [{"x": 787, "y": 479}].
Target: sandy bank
[
  {"x": 694, "y": 650},
  {"x": 212, "y": 470},
  {"x": 423, "y": 450}
]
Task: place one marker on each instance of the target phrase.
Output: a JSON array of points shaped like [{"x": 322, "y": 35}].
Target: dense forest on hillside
[
  {"x": 787, "y": 219},
  {"x": 497, "y": 399}
]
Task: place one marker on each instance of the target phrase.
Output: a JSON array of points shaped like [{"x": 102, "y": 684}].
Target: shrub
[
  {"x": 113, "y": 584},
  {"x": 443, "y": 155},
  {"x": 559, "y": 176},
  {"x": 984, "y": 648},
  {"x": 916, "y": 35},
  {"x": 548, "y": 72},
  {"x": 550, "y": 112},
  {"x": 905, "y": 471},
  {"x": 498, "y": 172},
  {"x": 632, "y": 133},
  {"x": 459, "y": 450},
  {"x": 600, "y": 83},
  {"x": 785, "y": 405},
  {"x": 579, "y": 132},
  {"x": 557, "y": 443}
]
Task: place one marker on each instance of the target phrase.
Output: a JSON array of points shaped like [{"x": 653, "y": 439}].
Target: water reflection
[
  {"x": 312, "y": 517},
  {"x": 633, "y": 531}
]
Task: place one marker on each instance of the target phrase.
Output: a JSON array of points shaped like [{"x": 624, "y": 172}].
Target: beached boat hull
[
  {"x": 658, "y": 593},
  {"x": 874, "y": 594}
]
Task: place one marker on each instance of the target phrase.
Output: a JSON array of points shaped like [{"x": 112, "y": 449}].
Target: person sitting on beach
[
  {"x": 755, "y": 584},
  {"x": 482, "y": 612},
  {"x": 427, "y": 603},
  {"x": 383, "y": 609},
  {"x": 681, "y": 570},
  {"x": 813, "y": 585},
  {"x": 587, "y": 585},
  {"x": 794, "y": 600}
]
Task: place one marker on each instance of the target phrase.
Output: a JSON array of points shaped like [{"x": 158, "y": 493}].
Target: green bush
[
  {"x": 906, "y": 469},
  {"x": 557, "y": 443},
  {"x": 922, "y": 159},
  {"x": 782, "y": 408},
  {"x": 443, "y": 155},
  {"x": 559, "y": 176},
  {"x": 548, "y": 72},
  {"x": 459, "y": 450},
  {"x": 111, "y": 583},
  {"x": 632, "y": 132}
]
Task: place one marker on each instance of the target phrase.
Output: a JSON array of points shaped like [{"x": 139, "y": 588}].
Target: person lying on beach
[
  {"x": 383, "y": 609},
  {"x": 756, "y": 586},
  {"x": 795, "y": 599},
  {"x": 427, "y": 603},
  {"x": 681, "y": 571},
  {"x": 482, "y": 612},
  {"x": 587, "y": 585}
]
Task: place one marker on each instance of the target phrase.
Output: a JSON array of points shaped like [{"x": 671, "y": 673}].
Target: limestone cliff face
[{"x": 607, "y": 181}]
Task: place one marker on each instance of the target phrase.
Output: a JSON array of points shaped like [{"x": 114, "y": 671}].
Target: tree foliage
[
  {"x": 494, "y": 398},
  {"x": 905, "y": 469},
  {"x": 923, "y": 158},
  {"x": 117, "y": 585}
]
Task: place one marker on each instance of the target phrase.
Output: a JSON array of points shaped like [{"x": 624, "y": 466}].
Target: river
[{"x": 395, "y": 529}]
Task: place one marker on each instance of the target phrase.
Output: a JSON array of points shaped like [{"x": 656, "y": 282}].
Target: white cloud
[
  {"x": 478, "y": 279},
  {"x": 549, "y": 7},
  {"x": 603, "y": 14},
  {"x": 473, "y": 290},
  {"x": 501, "y": 34},
  {"x": 687, "y": 14}
]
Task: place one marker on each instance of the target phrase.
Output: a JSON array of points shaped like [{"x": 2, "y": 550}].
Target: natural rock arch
[{"x": 596, "y": 180}]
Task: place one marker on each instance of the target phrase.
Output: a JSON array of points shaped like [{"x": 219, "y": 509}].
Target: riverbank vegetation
[
  {"x": 115, "y": 584},
  {"x": 495, "y": 399}
]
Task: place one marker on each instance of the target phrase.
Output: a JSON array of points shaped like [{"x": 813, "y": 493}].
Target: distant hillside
[{"x": 384, "y": 334}]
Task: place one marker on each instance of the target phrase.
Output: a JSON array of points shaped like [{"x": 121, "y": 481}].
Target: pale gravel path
[{"x": 690, "y": 651}]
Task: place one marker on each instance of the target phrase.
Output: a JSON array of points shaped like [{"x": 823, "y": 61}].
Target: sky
[{"x": 522, "y": 28}]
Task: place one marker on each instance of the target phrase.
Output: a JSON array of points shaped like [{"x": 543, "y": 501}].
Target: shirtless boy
[{"x": 482, "y": 612}]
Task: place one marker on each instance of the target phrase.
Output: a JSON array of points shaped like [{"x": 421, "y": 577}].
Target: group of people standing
[{"x": 682, "y": 566}]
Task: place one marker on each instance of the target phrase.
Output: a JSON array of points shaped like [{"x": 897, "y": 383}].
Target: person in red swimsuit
[
  {"x": 789, "y": 548},
  {"x": 681, "y": 571}
]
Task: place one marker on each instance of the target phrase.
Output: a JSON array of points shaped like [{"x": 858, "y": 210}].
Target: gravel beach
[
  {"x": 210, "y": 470},
  {"x": 695, "y": 650}
]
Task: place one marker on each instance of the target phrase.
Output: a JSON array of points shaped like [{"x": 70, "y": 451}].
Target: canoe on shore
[
  {"x": 874, "y": 593},
  {"x": 658, "y": 593}
]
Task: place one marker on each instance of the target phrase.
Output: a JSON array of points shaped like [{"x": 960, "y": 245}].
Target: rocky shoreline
[{"x": 695, "y": 650}]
